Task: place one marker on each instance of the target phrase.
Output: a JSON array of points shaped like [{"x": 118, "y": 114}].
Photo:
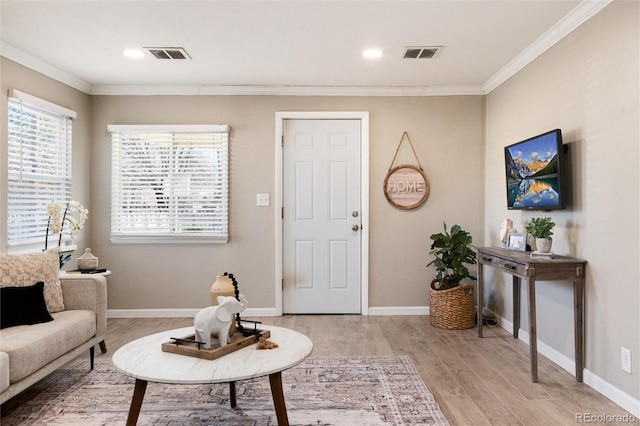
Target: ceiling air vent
[
  {"x": 168, "y": 52},
  {"x": 421, "y": 52}
]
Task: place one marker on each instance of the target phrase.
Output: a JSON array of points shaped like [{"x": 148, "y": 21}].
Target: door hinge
[
  {"x": 283, "y": 283},
  {"x": 282, "y": 141},
  {"x": 282, "y": 213}
]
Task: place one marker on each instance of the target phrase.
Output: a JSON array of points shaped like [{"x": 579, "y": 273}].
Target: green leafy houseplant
[
  {"x": 540, "y": 227},
  {"x": 452, "y": 251}
]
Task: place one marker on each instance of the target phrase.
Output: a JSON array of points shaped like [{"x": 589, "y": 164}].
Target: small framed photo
[{"x": 517, "y": 242}]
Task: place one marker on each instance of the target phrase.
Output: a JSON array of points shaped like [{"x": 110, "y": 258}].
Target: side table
[{"x": 104, "y": 274}]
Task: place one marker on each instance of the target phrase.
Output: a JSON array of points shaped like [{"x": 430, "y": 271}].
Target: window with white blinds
[
  {"x": 39, "y": 165},
  {"x": 169, "y": 184}
]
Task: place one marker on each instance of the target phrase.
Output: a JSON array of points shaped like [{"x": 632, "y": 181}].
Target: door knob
[{"x": 355, "y": 227}]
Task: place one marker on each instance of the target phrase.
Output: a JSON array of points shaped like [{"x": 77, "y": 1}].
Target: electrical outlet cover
[{"x": 625, "y": 359}]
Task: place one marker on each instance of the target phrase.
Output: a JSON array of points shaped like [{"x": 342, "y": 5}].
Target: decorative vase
[
  {"x": 223, "y": 287},
  {"x": 543, "y": 245},
  {"x": 87, "y": 262}
]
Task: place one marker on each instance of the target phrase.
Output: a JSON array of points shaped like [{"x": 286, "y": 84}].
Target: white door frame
[{"x": 363, "y": 116}]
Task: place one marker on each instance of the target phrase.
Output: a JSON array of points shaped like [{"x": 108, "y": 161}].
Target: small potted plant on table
[
  {"x": 541, "y": 228},
  {"x": 452, "y": 303}
]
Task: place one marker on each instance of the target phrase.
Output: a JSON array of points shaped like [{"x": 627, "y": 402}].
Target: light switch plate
[{"x": 262, "y": 200}]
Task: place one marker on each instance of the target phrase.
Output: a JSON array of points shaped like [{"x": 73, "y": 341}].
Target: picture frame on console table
[{"x": 517, "y": 242}]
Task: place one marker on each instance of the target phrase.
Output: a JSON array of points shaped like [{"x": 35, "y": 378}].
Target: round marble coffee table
[{"x": 144, "y": 360}]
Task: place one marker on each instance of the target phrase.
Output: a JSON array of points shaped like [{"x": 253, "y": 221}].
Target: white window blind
[
  {"x": 169, "y": 183},
  {"x": 39, "y": 165}
]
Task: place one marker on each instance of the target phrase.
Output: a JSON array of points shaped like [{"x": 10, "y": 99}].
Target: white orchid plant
[{"x": 74, "y": 215}]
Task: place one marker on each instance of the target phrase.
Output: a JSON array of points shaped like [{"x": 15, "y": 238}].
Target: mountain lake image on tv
[{"x": 534, "y": 171}]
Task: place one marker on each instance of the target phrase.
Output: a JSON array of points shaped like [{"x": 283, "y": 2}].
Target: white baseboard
[
  {"x": 590, "y": 379},
  {"x": 563, "y": 361},
  {"x": 250, "y": 312},
  {"x": 180, "y": 313},
  {"x": 399, "y": 310},
  {"x": 621, "y": 398}
]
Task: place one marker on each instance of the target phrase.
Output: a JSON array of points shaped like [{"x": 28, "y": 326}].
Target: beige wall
[
  {"x": 15, "y": 76},
  {"x": 586, "y": 85},
  {"x": 448, "y": 136}
]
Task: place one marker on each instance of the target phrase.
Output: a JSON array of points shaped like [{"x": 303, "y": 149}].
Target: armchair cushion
[
  {"x": 23, "y": 306},
  {"x": 27, "y": 269}
]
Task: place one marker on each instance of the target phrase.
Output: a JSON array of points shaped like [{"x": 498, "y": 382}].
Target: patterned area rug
[{"x": 321, "y": 391}]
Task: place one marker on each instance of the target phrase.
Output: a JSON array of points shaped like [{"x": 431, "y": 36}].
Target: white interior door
[{"x": 321, "y": 216}]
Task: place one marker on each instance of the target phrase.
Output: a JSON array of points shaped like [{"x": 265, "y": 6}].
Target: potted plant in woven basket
[{"x": 452, "y": 303}]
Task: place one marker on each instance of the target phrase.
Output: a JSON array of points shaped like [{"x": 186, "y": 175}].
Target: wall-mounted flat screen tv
[{"x": 534, "y": 170}]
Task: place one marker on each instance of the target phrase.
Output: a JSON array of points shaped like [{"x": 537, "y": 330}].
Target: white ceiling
[{"x": 285, "y": 47}]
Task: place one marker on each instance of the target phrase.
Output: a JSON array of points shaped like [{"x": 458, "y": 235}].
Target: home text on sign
[{"x": 406, "y": 187}]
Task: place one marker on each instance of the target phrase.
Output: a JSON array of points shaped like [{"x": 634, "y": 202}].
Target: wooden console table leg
[
  {"x": 232, "y": 394},
  {"x": 480, "y": 297},
  {"x": 533, "y": 335},
  {"x": 578, "y": 286},
  {"x": 516, "y": 305},
  {"x": 136, "y": 402},
  {"x": 103, "y": 347},
  {"x": 275, "y": 380}
]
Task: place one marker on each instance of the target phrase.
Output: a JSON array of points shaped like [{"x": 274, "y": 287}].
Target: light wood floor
[{"x": 475, "y": 381}]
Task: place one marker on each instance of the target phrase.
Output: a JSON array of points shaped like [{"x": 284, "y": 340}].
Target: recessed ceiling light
[
  {"x": 133, "y": 53},
  {"x": 372, "y": 53}
]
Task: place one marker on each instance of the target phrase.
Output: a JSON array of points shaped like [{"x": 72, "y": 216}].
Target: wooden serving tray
[{"x": 236, "y": 341}]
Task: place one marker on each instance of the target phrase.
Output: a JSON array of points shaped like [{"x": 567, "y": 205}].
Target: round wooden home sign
[{"x": 406, "y": 187}]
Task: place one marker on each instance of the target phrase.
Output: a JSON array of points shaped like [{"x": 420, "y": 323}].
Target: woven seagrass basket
[{"x": 454, "y": 308}]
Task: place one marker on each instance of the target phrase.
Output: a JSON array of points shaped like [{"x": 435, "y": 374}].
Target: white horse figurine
[{"x": 217, "y": 320}]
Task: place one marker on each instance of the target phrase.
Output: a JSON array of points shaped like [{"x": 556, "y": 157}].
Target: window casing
[
  {"x": 169, "y": 184},
  {"x": 39, "y": 166}
]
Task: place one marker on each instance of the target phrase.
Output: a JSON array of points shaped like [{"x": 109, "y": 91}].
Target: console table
[{"x": 522, "y": 265}]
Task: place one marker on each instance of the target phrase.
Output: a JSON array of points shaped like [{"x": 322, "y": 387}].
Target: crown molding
[
  {"x": 145, "y": 90},
  {"x": 42, "y": 67},
  {"x": 455, "y": 91},
  {"x": 579, "y": 15},
  {"x": 314, "y": 90},
  {"x": 213, "y": 90},
  {"x": 339, "y": 90}
]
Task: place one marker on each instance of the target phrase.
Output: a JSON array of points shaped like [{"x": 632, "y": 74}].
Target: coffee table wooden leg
[
  {"x": 232, "y": 394},
  {"x": 275, "y": 380},
  {"x": 136, "y": 402}
]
